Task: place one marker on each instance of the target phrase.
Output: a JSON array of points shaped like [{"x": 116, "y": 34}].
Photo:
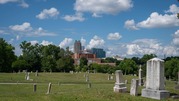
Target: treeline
[{"x": 56, "y": 59}]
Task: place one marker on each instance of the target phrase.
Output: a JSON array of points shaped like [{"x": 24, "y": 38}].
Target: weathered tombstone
[
  {"x": 36, "y": 73},
  {"x": 49, "y": 88},
  {"x": 140, "y": 77},
  {"x": 28, "y": 76},
  {"x": 109, "y": 77},
  {"x": 119, "y": 84},
  {"x": 125, "y": 81},
  {"x": 85, "y": 75},
  {"x": 134, "y": 87},
  {"x": 87, "y": 78},
  {"x": 155, "y": 80},
  {"x": 35, "y": 87}
]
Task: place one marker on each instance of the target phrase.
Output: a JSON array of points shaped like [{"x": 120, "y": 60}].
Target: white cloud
[
  {"x": 144, "y": 46},
  {"x": 96, "y": 42},
  {"x": 34, "y": 42},
  {"x": 98, "y": 7},
  {"x": 7, "y": 1},
  {"x": 83, "y": 41},
  {"x": 76, "y": 17},
  {"x": 17, "y": 37},
  {"x": 173, "y": 9},
  {"x": 66, "y": 42},
  {"x": 22, "y": 2},
  {"x": 26, "y": 30},
  {"x": 114, "y": 36},
  {"x": 130, "y": 24},
  {"x": 157, "y": 20},
  {"x": 46, "y": 43},
  {"x": 171, "y": 51},
  {"x": 48, "y": 13},
  {"x": 24, "y": 27},
  {"x": 176, "y": 38}
]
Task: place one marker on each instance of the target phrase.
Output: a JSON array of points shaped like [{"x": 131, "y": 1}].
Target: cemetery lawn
[{"x": 67, "y": 87}]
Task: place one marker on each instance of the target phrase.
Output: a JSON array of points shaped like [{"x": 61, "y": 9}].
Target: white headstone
[
  {"x": 49, "y": 88},
  {"x": 28, "y": 76},
  {"x": 134, "y": 87},
  {"x": 119, "y": 84},
  {"x": 155, "y": 80}
]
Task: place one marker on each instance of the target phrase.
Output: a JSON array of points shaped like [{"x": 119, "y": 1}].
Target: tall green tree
[
  {"x": 7, "y": 56},
  {"x": 83, "y": 63}
]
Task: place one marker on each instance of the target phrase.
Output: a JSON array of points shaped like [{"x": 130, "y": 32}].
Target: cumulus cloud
[
  {"x": 144, "y": 46},
  {"x": 34, "y": 42},
  {"x": 66, "y": 42},
  {"x": 98, "y": 7},
  {"x": 156, "y": 20},
  {"x": 173, "y": 9},
  {"x": 76, "y": 17},
  {"x": 130, "y": 24},
  {"x": 176, "y": 38},
  {"x": 114, "y": 36},
  {"x": 7, "y": 1},
  {"x": 96, "y": 42},
  {"x": 22, "y": 2},
  {"x": 48, "y": 13},
  {"x": 46, "y": 43},
  {"x": 24, "y": 27},
  {"x": 83, "y": 41}
]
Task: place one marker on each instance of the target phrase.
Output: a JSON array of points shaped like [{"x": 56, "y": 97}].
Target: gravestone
[
  {"x": 35, "y": 87},
  {"x": 87, "y": 78},
  {"x": 134, "y": 87},
  {"x": 125, "y": 81},
  {"x": 89, "y": 85},
  {"x": 28, "y": 76},
  {"x": 140, "y": 77},
  {"x": 119, "y": 84},
  {"x": 36, "y": 73},
  {"x": 155, "y": 80},
  {"x": 49, "y": 88},
  {"x": 109, "y": 77}
]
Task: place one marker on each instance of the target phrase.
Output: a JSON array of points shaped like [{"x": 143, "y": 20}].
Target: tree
[
  {"x": 128, "y": 66},
  {"x": 83, "y": 62},
  {"x": 19, "y": 65},
  {"x": 7, "y": 56},
  {"x": 31, "y": 54},
  {"x": 171, "y": 68}
]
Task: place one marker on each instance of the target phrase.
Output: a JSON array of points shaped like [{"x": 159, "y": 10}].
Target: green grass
[{"x": 67, "y": 87}]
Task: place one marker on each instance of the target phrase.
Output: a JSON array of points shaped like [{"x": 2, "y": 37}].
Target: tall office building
[
  {"x": 77, "y": 47},
  {"x": 100, "y": 53}
]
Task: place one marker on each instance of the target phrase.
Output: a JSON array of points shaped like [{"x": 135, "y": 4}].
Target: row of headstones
[
  {"x": 155, "y": 84},
  {"x": 27, "y": 75}
]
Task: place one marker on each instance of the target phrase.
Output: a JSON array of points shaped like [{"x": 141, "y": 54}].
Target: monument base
[
  {"x": 120, "y": 87},
  {"x": 155, "y": 94}
]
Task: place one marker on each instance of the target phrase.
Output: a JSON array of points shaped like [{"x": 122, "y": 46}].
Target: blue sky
[{"x": 121, "y": 27}]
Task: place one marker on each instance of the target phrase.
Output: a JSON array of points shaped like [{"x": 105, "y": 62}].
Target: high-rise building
[
  {"x": 100, "y": 53},
  {"x": 77, "y": 47}
]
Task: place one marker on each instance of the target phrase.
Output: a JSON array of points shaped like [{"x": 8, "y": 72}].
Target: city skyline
[{"x": 125, "y": 28}]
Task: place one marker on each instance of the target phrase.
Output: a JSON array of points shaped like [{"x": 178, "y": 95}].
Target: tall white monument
[
  {"x": 155, "y": 80},
  {"x": 119, "y": 84}
]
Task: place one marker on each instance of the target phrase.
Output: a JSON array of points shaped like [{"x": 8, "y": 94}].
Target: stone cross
[
  {"x": 119, "y": 84},
  {"x": 140, "y": 77},
  {"x": 49, "y": 88},
  {"x": 155, "y": 80},
  {"x": 134, "y": 87}
]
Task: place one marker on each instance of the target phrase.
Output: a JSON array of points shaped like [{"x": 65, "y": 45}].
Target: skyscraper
[
  {"x": 77, "y": 47},
  {"x": 100, "y": 53}
]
